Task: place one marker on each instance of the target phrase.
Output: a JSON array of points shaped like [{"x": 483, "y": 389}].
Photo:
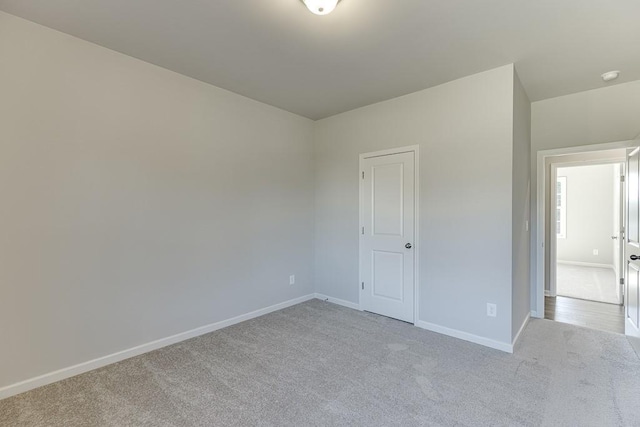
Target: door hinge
[
  {"x": 363, "y": 230},
  {"x": 622, "y": 280},
  {"x": 363, "y": 286},
  {"x": 362, "y": 174},
  {"x": 621, "y": 178}
]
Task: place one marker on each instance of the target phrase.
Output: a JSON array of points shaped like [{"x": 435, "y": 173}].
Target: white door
[
  {"x": 632, "y": 246},
  {"x": 387, "y": 243}
]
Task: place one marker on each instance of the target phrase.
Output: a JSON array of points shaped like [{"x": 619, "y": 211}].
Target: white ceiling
[{"x": 277, "y": 52}]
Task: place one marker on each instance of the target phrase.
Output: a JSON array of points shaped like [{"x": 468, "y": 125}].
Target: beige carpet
[
  {"x": 318, "y": 364},
  {"x": 590, "y": 283}
]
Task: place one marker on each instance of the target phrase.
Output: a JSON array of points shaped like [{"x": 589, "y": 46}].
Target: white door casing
[
  {"x": 618, "y": 229},
  {"x": 632, "y": 245},
  {"x": 553, "y": 243},
  {"x": 387, "y": 234}
]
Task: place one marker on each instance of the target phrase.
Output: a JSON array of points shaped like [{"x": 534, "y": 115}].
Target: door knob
[
  {"x": 634, "y": 257},
  {"x": 408, "y": 246},
  {"x": 614, "y": 237}
]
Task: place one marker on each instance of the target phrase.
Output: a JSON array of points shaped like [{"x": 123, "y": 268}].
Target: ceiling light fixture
[
  {"x": 610, "y": 75},
  {"x": 321, "y": 7}
]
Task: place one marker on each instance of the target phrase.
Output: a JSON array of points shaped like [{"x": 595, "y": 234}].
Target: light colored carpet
[
  {"x": 591, "y": 283},
  {"x": 318, "y": 364}
]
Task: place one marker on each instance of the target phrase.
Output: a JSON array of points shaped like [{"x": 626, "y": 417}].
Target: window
[{"x": 561, "y": 207}]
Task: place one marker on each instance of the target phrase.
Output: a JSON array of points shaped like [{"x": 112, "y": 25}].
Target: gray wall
[
  {"x": 520, "y": 214},
  {"x": 597, "y": 116},
  {"x": 166, "y": 205},
  {"x": 464, "y": 129},
  {"x": 590, "y": 210}
]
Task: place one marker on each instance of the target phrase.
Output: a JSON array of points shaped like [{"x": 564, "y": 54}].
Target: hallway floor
[{"x": 590, "y": 314}]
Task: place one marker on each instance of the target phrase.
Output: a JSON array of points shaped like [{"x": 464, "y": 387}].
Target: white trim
[
  {"x": 540, "y": 205},
  {"x": 591, "y": 162},
  {"x": 553, "y": 232},
  {"x": 547, "y": 293},
  {"x": 541, "y": 173},
  {"x": 476, "y": 339},
  {"x": 519, "y": 334},
  {"x": 416, "y": 230},
  {"x": 416, "y": 220},
  {"x": 338, "y": 301},
  {"x": 71, "y": 371},
  {"x": 586, "y": 264},
  {"x": 534, "y": 314},
  {"x": 629, "y": 143}
]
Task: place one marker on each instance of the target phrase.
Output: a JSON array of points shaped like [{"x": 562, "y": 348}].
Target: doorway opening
[
  {"x": 584, "y": 228},
  {"x": 586, "y": 231}
]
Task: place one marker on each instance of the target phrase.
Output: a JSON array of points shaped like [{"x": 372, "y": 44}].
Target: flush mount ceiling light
[
  {"x": 610, "y": 75},
  {"x": 321, "y": 7}
]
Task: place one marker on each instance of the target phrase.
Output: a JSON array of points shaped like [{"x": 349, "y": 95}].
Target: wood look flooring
[{"x": 590, "y": 314}]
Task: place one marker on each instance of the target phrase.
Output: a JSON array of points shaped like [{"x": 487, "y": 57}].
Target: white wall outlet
[
  {"x": 292, "y": 279},
  {"x": 595, "y": 252},
  {"x": 492, "y": 310}
]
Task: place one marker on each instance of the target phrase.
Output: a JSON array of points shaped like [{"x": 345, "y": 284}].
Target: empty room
[{"x": 319, "y": 213}]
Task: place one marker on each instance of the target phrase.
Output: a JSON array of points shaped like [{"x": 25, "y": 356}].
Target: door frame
[
  {"x": 537, "y": 285},
  {"x": 630, "y": 330},
  {"x": 416, "y": 219},
  {"x": 553, "y": 246}
]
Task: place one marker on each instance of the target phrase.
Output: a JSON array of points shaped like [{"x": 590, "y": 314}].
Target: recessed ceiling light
[
  {"x": 321, "y": 7},
  {"x": 610, "y": 75}
]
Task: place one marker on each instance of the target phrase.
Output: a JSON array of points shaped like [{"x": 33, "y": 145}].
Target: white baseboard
[
  {"x": 524, "y": 325},
  {"x": 586, "y": 264},
  {"x": 71, "y": 371},
  {"x": 535, "y": 315},
  {"x": 547, "y": 293},
  {"x": 476, "y": 339},
  {"x": 338, "y": 301},
  {"x": 434, "y": 328}
]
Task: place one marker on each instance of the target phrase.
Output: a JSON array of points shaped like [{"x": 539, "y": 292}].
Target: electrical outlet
[
  {"x": 492, "y": 310},
  {"x": 292, "y": 279},
  {"x": 595, "y": 252}
]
